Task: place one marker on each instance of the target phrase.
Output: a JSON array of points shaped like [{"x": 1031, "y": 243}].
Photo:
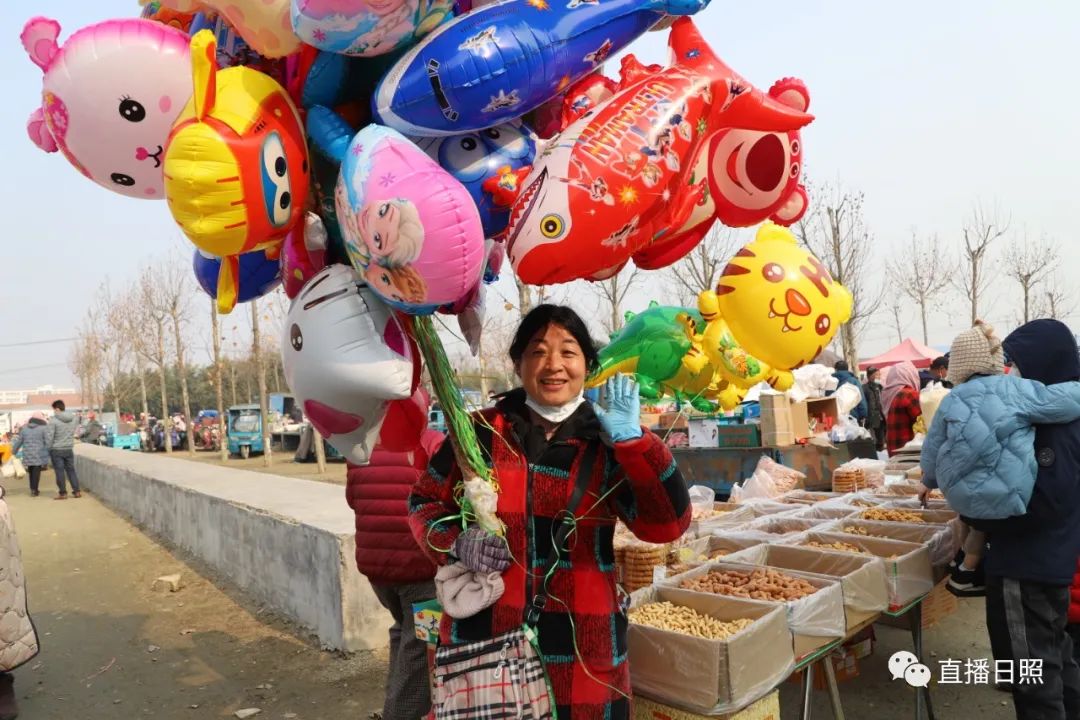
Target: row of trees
[{"x": 134, "y": 350}]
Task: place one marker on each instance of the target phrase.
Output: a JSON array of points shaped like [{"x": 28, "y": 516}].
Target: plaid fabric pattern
[
  {"x": 582, "y": 632},
  {"x": 498, "y": 678},
  {"x": 903, "y": 413}
]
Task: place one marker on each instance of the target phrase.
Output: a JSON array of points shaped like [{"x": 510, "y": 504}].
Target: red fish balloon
[
  {"x": 752, "y": 177},
  {"x": 616, "y": 180}
]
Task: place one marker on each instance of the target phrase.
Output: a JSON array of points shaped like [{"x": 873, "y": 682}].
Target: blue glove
[{"x": 622, "y": 416}]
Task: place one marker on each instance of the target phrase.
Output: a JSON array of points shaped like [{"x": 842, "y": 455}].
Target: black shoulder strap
[{"x": 581, "y": 483}]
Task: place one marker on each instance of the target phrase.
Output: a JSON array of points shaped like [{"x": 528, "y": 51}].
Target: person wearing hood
[
  {"x": 979, "y": 448},
  {"x": 875, "y": 409},
  {"x": 900, "y": 400},
  {"x": 1031, "y": 558},
  {"x": 844, "y": 376},
  {"x": 33, "y": 439},
  {"x": 61, "y": 435},
  {"x": 560, "y": 464}
]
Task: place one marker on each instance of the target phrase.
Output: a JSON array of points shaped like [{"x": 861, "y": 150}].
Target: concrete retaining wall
[{"x": 286, "y": 542}]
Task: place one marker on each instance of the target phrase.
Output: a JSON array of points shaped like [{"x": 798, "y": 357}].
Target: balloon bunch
[
  {"x": 774, "y": 309},
  {"x": 377, "y": 158}
]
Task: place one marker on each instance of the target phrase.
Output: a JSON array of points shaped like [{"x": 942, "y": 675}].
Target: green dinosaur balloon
[{"x": 660, "y": 349}]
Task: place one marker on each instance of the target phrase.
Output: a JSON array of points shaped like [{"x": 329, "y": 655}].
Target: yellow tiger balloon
[{"x": 780, "y": 301}]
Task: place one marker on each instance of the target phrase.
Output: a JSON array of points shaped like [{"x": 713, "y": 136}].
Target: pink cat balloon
[{"x": 110, "y": 95}]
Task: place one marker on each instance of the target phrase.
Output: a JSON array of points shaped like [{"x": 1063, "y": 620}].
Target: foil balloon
[
  {"x": 616, "y": 180},
  {"x": 405, "y": 422},
  {"x": 752, "y": 177},
  {"x": 264, "y": 24},
  {"x": 167, "y": 16},
  {"x": 500, "y": 61},
  {"x": 489, "y": 163},
  {"x": 233, "y": 50},
  {"x": 110, "y": 95},
  {"x": 257, "y": 274},
  {"x": 410, "y": 229},
  {"x": 661, "y": 349},
  {"x": 303, "y": 255},
  {"x": 733, "y": 363},
  {"x": 236, "y": 169},
  {"x": 780, "y": 301},
  {"x": 345, "y": 358},
  {"x": 366, "y": 27}
]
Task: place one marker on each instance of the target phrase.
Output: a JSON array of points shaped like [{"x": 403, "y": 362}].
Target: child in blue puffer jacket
[{"x": 980, "y": 447}]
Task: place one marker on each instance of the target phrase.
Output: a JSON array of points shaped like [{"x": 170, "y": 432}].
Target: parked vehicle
[{"x": 245, "y": 428}]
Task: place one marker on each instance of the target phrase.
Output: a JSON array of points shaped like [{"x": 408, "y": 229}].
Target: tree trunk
[
  {"x": 925, "y": 334},
  {"x": 141, "y": 369},
  {"x": 260, "y": 372},
  {"x": 232, "y": 380},
  {"x": 851, "y": 352},
  {"x": 219, "y": 381},
  {"x": 524, "y": 297},
  {"x": 974, "y": 291},
  {"x": 166, "y": 418},
  {"x": 1027, "y": 302},
  {"x": 320, "y": 450},
  {"x": 185, "y": 398}
]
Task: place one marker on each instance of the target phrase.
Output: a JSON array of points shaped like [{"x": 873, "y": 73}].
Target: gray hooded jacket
[{"x": 62, "y": 431}]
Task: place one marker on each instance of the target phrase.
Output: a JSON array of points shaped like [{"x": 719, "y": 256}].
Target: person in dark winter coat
[
  {"x": 875, "y": 409},
  {"x": 537, "y": 438},
  {"x": 33, "y": 439},
  {"x": 1032, "y": 558},
  {"x": 844, "y": 376},
  {"x": 400, "y": 572}
]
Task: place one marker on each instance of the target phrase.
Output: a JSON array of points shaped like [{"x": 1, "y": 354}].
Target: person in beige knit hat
[{"x": 975, "y": 352}]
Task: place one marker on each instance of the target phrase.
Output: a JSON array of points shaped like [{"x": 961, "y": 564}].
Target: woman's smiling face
[{"x": 553, "y": 368}]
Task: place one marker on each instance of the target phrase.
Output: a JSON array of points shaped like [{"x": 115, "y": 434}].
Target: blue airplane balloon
[
  {"x": 258, "y": 274},
  {"x": 500, "y": 61},
  {"x": 472, "y": 158}
]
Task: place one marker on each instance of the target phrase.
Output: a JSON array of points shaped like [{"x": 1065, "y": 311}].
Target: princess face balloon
[{"x": 110, "y": 95}]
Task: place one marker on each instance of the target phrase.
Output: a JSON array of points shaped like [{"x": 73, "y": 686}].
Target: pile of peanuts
[
  {"x": 665, "y": 616},
  {"x": 852, "y": 530},
  {"x": 887, "y": 515},
  {"x": 760, "y": 584},
  {"x": 841, "y": 546}
]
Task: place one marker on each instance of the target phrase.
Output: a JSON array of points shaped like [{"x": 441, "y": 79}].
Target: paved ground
[
  {"x": 282, "y": 465},
  {"x": 112, "y": 648}
]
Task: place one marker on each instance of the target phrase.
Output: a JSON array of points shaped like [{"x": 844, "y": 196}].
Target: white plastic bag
[
  {"x": 770, "y": 480},
  {"x": 848, "y": 429},
  {"x": 20, "y": 471},
  {"x": 812, "y": 381},
  {"x": 7, "y": 471},
  {"x": 848, "y": 398}
]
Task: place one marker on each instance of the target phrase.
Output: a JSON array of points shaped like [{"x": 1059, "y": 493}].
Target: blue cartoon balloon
[
  {"x": 500, "y": 61},
  {"x": 474, "y": 159},
  {"x": 258, "y": 274}
]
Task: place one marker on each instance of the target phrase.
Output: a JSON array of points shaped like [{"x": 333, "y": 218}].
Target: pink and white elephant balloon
[
  {"x": 346, "y": 358},
  {"x": 110, "y": 95}
]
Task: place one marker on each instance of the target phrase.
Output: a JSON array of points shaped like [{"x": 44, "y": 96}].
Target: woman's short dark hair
[{"x": 543, "y": 315}]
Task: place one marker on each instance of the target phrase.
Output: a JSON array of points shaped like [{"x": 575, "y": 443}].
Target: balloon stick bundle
[{"x": 479, "y": 488}]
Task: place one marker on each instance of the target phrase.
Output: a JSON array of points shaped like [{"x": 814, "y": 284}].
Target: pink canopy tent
[{"x": 920, "y": 355}]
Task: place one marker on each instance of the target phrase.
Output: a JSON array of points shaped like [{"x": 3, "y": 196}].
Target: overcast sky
[{"x": 927, "y": 107}]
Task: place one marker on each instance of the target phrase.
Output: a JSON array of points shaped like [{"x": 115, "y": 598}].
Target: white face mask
[{"x": 555, "y": 413}]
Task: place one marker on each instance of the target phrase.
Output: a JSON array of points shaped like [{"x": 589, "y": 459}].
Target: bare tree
[
  {"x": 173, "y": 293},
  {"x": 896, "y": 309},
  {"x": 84, "y": 360},
  {"x": 219, "y": 381},
  {"x": 701, "y": 268},
  {"x": 835, "y": 231},
  {"x": 1029, "y": 262},
  {"x": 976, "y": 271},
  {"x": 153, "y": 345},
  {"x": 613, "y": 292},
  {"x": 1056, "y": 302},
  {"x": 111, "y": 313},
  {"x": 264, "y": 410},
  {"x": 920, "y": 272}
]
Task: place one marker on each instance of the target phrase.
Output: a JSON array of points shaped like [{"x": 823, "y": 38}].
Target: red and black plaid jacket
[
  {"x": 582, "y": 632},
  {"x": 903, "y": 413}
]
